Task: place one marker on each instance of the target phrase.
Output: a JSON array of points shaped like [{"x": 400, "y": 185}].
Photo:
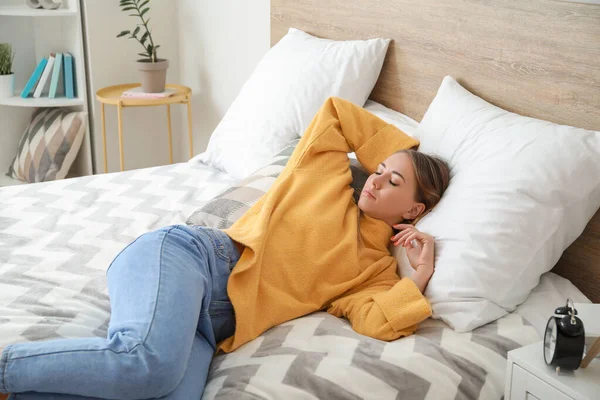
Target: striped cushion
[
  {"x": 49, "y": 145},
  {"x": 224, "y": 209}
]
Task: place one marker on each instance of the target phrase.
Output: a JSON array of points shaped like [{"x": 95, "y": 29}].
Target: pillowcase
[
  {"x": 285, "y": 91},
  {"x": 49, "y": 145},
  {"x": 403, "y": 122},
  {"x": 226, "y": 208},
  {"x": 521, "y": 191}
]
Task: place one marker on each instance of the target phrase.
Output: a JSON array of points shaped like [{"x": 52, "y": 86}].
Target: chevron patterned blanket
[
  {"x": 320, "y": 357},
  {"x": 58, "y": 238}
]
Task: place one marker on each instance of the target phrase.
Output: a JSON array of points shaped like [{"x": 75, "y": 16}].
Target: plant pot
[
  {"x": 7, "y": 86},
  {"x": 153, "y": 75}
]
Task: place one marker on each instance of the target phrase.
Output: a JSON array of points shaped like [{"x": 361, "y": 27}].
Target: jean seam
[
  {"x": 77, "y": 351},
  {"x": 218, "y": 248},
  {"x": 119, "y": 253},
  {"x": 162, "y": 248},
  {"x": 4, "y": 386}
]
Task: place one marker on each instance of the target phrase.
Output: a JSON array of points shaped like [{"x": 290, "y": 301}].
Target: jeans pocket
[{"x": 223, "y": 245}]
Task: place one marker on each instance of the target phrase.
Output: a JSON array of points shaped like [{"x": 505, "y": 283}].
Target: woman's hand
[{"x": 419, "y": 250}]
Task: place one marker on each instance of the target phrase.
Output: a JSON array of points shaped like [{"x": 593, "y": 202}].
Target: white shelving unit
[
  {"x": 21, "y": 10},
  {"x": 33, "y": 34}
]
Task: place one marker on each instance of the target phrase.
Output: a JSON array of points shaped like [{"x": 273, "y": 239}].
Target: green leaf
[
  {"x": 129, "y": 8},
  {"x": 149, "y": 49},
  {"x": 144, "y": 37},
  {"x": 123, "y": 33},
  {"x": 144, "y": 11},
  {"x": 143, "y": 54},
  {"x": 144, "y": 3},
  {"x": 136, "y": 30},
  {"x": 126, "y": 3},
  {"x": 156, "y": 47}
]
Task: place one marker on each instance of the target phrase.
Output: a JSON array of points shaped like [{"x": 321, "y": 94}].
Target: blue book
[
  {"x": 68, "y": 76},
  {"x": 55, "y": 75},
  {"x": 34, "y": 77}
]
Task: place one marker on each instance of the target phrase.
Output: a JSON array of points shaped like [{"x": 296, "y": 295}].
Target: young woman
[{"x": 181, "y": 292}]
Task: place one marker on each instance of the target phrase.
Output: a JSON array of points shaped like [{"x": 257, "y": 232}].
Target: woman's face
[{"x": 389, "y": 193}]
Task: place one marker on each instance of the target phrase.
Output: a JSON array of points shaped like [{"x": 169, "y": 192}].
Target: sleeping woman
[{"x": 181, "y": 293}]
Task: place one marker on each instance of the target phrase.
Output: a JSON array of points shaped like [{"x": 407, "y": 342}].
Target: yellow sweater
[{"x": 307, "y": 246}]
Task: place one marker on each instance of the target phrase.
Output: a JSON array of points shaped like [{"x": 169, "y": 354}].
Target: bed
[{"x": 57, "y": 239}]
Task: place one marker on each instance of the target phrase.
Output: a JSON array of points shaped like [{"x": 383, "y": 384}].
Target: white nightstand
[{"x": 528, "y": 377}]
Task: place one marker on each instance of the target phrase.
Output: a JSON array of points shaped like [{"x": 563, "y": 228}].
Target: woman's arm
[
  {"x": 384, "y": 310},
  {"x": 420, "y": 250},
  {"x": 342, "y": 127}
]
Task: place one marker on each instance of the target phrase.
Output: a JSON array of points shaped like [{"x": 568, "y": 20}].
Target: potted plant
[
  {"x": 153, "y": 70},
  {"x": 7, "y": 77}
]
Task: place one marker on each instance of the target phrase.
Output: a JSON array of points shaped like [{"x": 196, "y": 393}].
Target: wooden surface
[
  {"x": 112, "y": 95},
  {"x": 539, "y": 58}
]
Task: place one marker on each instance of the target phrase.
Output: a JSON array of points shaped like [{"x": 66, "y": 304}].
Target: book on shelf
[
  {"x": 34, "y": 78},
  {"x": 138, "y": 93},
  {"x": 46, "y": 78},
  {"x": 55, "y": 75},
  {"x": 69, "y": 78}
]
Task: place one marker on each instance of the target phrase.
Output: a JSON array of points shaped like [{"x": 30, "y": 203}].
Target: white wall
[
  {"x": 112, "y": 61},
  {"x": 220, "y": 43},
  {"x": 213, "y": 46},
  {"x": 14, "y": 120}
]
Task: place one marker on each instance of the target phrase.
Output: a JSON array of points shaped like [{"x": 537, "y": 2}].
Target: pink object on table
[{"x": 139, "y": 94}]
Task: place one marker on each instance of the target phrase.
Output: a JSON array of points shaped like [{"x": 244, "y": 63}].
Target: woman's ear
[{"x": 415, "y": 211}]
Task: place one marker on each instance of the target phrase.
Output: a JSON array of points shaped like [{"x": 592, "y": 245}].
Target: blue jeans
[{"x": 169, "y": 309}]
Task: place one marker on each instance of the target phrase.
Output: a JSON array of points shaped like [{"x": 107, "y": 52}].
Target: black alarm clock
[{"x": 564, "y": 339}]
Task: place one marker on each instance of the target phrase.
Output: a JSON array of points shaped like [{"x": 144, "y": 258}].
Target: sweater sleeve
[
  {"x": 341, "y": 127},
  {"x": 384, "y": 311}
]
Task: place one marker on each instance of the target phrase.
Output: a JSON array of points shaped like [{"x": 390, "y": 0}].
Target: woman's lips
[{"x": 369, "y": 193}]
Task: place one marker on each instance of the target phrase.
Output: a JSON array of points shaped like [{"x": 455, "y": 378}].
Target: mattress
[{"x": 58, "y": 238}]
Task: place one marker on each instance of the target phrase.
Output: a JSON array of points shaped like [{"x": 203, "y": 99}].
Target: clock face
[{"x": 550, "y": 340}]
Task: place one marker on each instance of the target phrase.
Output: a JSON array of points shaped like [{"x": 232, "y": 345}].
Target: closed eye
[{"x": 379, "y": 173}]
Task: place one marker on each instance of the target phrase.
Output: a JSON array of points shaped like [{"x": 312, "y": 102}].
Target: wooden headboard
[{"x": 539, "y": 58}]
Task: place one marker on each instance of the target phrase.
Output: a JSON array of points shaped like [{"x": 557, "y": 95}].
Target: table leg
[
  {"x": 189, "y": 109},
  {"x": 104, "y": 136},
  {"x": 120, "y": 119},
  {"x": 170, "y": 134},
  {"x": 592, "y": 352}
]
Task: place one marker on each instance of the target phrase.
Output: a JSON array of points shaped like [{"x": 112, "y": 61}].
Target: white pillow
[
  {"x": 284, "y": 93},
  {"x": 403, "y": 122},
  {"x": 521, "y": 191}
]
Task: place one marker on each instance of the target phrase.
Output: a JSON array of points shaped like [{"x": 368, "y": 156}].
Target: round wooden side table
[{"x": 112, "y": 95}]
